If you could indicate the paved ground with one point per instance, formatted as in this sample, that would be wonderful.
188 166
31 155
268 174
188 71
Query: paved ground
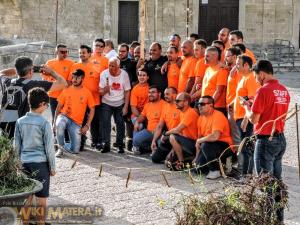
148 200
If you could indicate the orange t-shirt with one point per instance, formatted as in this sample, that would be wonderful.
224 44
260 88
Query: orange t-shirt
214 77
231 86
246 87
227 46
173 75
187 70
62 67
200 68
170 115
188 119
251 55
152 111
91 79
214 122
100 63
74 103
139 96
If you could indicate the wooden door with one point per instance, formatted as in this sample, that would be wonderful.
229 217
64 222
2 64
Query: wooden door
128 26
216 14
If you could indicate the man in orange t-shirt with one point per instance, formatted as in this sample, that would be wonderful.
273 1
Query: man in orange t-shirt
187 69
91 82
98 59
173 68
151 113
235 37
139 95
215 79
223 36
221 46
183 136
175 40
169 119
246 89
61 65
233 79
213 137
70 111
199 51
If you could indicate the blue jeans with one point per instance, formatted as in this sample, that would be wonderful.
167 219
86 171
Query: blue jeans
268 155
63 123
247 150
108 111
142 139
268 158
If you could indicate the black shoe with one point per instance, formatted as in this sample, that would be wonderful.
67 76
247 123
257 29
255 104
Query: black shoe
99 146
129 145
106 148
115 145
121 150
93 145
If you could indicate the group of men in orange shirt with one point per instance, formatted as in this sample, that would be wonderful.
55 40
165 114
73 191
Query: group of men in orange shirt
163 89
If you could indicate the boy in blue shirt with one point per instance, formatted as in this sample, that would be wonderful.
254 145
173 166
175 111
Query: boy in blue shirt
33 140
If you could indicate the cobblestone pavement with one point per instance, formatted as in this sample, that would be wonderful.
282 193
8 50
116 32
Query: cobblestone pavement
147 199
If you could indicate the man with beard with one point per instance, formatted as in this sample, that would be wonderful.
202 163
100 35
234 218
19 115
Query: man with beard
153 67
69 114
151 113
169 119
91 82
187 69
175 40
223 36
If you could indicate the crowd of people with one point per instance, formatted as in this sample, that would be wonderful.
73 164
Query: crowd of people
192 105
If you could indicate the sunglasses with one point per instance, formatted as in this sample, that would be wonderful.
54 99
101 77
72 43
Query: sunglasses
63 52
202 103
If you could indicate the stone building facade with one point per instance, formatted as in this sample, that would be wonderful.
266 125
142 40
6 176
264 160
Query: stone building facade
80 21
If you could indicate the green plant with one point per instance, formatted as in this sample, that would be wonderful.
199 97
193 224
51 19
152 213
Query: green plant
12 180
251 202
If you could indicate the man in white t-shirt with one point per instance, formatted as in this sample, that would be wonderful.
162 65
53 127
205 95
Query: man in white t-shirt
115 91
109 50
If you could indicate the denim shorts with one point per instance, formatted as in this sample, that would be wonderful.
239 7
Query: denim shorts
39 171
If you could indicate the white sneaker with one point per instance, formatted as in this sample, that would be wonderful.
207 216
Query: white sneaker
136 151
59 153
213 175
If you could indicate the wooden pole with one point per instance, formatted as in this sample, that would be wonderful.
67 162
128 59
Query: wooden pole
187 17
297 133
142 26
56 22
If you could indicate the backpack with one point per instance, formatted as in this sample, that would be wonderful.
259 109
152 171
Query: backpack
13 97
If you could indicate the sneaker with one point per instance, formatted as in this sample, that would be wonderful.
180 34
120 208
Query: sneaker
93 145
59 153
213 175
115 145
99 146
136 151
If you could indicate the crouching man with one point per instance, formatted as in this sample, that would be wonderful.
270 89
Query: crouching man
69 114
213 137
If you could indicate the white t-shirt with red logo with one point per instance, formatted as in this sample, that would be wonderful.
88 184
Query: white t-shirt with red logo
118 85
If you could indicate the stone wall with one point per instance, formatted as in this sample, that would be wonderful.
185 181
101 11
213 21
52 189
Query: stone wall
80 21
262 21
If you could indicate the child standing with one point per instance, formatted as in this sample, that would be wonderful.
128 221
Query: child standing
33 140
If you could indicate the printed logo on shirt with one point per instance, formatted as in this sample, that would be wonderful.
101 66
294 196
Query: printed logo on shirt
116 86
81 100
65 68
157 67
91 73
280 96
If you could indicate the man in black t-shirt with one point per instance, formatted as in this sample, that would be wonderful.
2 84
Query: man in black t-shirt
153 67
24 70
129 65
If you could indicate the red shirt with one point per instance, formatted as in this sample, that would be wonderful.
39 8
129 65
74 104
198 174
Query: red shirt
271 101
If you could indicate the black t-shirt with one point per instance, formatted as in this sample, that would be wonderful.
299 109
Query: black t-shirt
154 71
129 66
46 85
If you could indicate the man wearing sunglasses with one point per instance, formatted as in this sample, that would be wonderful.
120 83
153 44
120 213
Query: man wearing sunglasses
213 137
61 65
98 59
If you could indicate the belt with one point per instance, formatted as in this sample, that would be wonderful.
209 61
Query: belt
261 136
